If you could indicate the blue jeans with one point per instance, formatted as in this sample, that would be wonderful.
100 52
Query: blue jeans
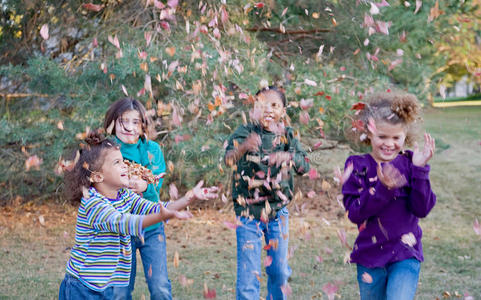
154 260
73 289
249 247
397 280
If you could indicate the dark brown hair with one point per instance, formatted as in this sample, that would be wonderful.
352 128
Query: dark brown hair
273 88
390 107
90 158
119 107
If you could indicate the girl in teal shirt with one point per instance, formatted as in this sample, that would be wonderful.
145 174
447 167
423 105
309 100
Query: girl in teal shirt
127 119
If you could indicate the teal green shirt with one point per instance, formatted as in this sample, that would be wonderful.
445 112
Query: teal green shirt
148 154
265 180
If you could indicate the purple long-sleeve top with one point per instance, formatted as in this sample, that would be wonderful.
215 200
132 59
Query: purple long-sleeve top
387 219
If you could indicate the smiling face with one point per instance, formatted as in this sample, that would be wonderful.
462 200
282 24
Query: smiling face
387 141
128 127
270 107
113 174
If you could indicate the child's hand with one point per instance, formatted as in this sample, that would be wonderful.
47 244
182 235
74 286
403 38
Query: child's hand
277 158
182 215
204 193
420 158
137 184
390 176
251 143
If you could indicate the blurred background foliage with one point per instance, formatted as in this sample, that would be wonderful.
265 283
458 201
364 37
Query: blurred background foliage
195 65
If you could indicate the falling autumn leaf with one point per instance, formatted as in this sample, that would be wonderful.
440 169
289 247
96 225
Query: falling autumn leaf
286 289
44 31
209 293
313 174
93 7
124 90
419 3
148 37
176 259
170 51
267 261
114 41
230 225
173 192
366 277
33 162
477 227
330 289
41 220
435 12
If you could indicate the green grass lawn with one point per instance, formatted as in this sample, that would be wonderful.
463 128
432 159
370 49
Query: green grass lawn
33 257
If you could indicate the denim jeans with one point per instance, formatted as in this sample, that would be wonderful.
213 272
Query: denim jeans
73 289
249 247
154 260
397 280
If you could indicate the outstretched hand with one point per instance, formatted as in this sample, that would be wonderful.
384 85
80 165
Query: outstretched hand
421 157
390 176
204 193
182 215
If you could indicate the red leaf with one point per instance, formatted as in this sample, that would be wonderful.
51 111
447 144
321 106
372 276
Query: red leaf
209 293
313 174
321 93
328 97
358 124
259 5
358 106
93 7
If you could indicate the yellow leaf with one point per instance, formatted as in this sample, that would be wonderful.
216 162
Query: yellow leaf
176 259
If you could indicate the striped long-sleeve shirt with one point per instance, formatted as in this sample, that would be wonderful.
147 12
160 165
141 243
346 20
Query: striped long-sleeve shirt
102 254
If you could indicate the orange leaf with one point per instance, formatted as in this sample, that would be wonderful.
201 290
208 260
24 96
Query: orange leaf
170 51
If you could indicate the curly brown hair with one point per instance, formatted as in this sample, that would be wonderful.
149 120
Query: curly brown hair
390 107
90 158
119 107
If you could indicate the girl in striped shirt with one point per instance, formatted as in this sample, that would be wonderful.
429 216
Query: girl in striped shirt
109 214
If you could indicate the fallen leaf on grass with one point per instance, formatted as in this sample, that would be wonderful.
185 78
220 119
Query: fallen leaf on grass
176 259
184 281
41 219
209 293
330 289
477 227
